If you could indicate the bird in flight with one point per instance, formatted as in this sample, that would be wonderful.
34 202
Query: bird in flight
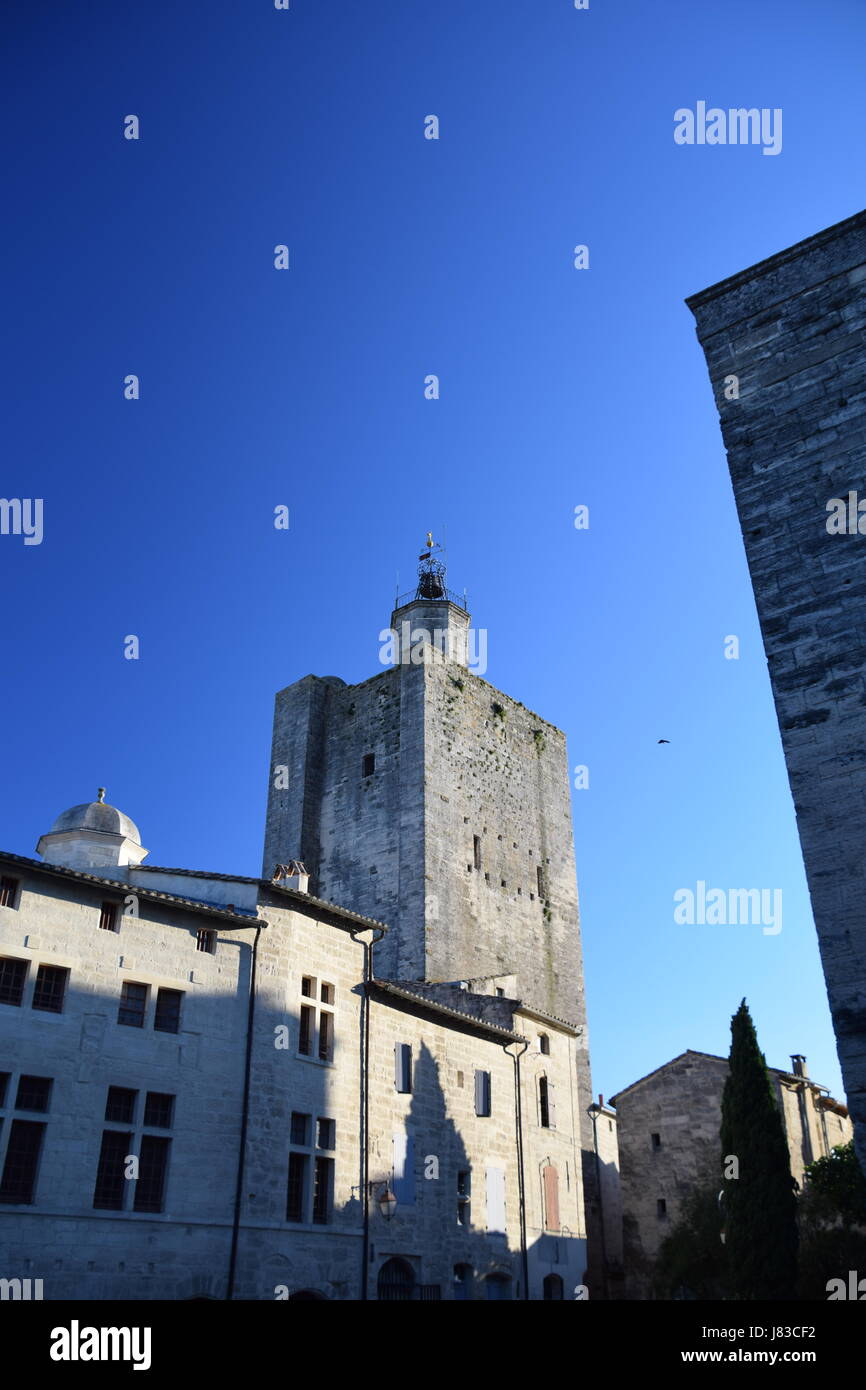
664 740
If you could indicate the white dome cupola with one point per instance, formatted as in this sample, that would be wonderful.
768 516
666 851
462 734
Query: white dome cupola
92 836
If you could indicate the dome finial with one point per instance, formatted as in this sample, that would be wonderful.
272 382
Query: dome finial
100 794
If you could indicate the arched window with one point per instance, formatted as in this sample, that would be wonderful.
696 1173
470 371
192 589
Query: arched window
463 1276
396 1282
553 1288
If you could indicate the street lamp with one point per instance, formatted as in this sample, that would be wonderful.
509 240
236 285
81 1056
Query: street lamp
387 1202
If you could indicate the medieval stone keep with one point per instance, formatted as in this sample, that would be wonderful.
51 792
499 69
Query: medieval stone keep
217 1086
786 353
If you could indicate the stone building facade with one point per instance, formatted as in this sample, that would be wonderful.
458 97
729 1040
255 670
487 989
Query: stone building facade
785 344
668 1130
217 1086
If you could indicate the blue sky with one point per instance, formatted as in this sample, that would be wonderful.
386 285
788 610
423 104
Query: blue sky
305 388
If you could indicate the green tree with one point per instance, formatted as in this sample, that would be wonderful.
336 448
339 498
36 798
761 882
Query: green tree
691 1260
832 1221
760 1203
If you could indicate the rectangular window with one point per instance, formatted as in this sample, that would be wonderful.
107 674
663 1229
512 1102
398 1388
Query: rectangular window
108 917
49 989
403 1068
323 1188
167 1016
206 940
110 1188
543 1106
158 1109
326 1037
4 1082
476 850
656 1141
369 764
300 1128
8 891
297 1187
120 1105
22 1161
327 994
133 1002
482 1093
12 976
308 987
463 1197
34 1093
326 1137
152 1168
305 1033
661 1207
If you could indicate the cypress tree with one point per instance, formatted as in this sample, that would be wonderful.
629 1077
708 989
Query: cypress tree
760 1203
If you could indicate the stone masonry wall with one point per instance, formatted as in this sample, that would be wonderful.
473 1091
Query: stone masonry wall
791 329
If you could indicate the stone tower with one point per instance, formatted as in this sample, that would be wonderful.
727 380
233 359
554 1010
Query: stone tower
785 344
428 799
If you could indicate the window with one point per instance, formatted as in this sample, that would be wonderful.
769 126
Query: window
661 1207
403 1068
8 891
12 976
656 1141
326 1037
326 1137
4 1082
476 850
158 1109
34 1093
543 1103
110 1188
482 1093
108 917
323 1187
152 1168
305 1034
206 940
327 994
369 766
500 992
297 1187
300 1128
464 1194
403 1167
133 1002
167 1016
308 987
544 1044
22 1162
49 989
550 1184
553 1289
120 1105
539 873
463 1282
460 1080
495 1184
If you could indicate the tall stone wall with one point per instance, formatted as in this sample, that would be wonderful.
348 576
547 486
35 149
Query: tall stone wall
791 331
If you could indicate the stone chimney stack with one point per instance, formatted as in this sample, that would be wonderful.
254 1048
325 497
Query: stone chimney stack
798 1064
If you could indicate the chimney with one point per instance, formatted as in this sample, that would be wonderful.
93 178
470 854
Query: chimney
798 1064
292 875
600 1101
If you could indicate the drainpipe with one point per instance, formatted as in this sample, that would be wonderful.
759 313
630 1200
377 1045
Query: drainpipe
365 1100
236 1222
521 1188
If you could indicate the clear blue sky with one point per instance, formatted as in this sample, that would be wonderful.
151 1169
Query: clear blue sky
305 388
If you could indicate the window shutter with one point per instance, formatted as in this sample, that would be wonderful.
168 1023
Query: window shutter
479 1093
551 1104
550 1179
404 1167
495 1198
